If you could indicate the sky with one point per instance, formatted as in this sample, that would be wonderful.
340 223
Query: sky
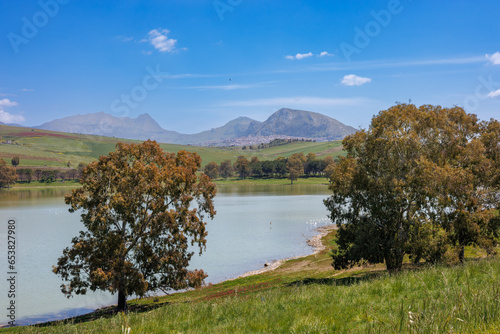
195 64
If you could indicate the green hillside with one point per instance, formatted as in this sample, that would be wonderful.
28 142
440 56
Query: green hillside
54 149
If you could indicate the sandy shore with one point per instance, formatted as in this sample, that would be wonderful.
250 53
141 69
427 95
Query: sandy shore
315 242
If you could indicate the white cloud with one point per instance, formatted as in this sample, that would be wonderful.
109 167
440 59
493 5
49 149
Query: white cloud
27 90
298 101
300 56
159 39
7 103
7 118
494 94
494 58
354 80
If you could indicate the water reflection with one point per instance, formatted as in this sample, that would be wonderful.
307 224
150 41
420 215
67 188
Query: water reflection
254 224
274 190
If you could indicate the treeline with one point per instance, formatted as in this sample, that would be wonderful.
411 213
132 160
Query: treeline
48 175
295 166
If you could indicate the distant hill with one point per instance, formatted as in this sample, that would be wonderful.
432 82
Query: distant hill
238 128
11 124
300 123
284 123
102 124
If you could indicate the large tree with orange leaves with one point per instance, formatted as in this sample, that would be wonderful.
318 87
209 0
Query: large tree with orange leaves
141 208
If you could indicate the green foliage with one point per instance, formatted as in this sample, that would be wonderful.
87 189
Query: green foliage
15 161
414 173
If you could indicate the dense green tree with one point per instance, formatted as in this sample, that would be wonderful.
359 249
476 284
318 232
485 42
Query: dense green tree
141 208
315 167
256 167
414 172
48 176
280 167
212 170
15 161
268 167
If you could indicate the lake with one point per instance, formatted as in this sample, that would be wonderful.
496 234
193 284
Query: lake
253 225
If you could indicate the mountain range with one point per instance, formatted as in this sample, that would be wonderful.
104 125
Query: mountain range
284 123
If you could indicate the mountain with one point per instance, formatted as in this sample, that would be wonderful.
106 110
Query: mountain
237 128
306 124
12 124
284 123
142 127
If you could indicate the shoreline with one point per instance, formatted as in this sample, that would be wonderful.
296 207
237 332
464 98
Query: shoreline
314 241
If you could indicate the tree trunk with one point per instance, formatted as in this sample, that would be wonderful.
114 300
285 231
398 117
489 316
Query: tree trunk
461 254
394 260
122 302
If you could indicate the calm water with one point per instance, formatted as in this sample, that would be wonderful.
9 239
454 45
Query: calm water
253 225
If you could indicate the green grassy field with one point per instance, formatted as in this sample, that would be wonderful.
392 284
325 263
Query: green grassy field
306 295
54 149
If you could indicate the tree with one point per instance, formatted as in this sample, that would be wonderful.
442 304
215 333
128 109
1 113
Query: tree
38 174
212 170
140 207
80 168
15 161
329 170
256 167
413 173
328 160
462 162
242 167
280 166
8 175
29 173
268 167
295 165
48 176
226 169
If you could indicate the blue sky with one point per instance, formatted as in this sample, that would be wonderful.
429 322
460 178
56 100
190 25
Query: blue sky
195 64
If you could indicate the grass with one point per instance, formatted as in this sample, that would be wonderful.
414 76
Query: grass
37 184
306 295
39 148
